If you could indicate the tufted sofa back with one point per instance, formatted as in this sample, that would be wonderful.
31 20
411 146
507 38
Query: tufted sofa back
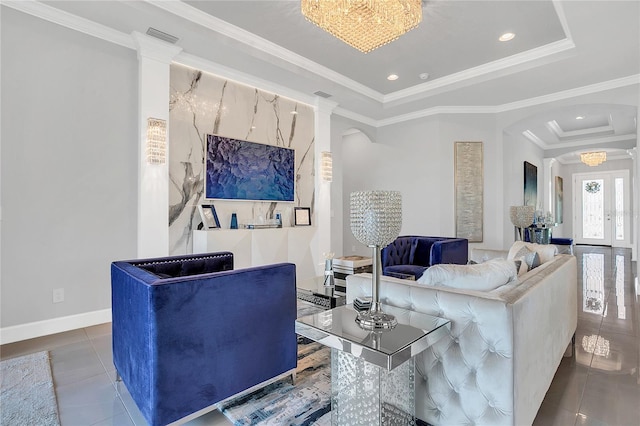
398 252
503 349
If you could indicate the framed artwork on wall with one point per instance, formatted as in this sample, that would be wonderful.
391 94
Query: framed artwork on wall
559 201
209 216
469 186
302 216
530 184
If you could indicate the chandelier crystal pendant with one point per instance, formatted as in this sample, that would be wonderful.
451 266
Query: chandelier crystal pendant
364 24
593 158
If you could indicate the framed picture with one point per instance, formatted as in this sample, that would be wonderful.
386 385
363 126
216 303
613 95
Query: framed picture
209 216
530 184
302 216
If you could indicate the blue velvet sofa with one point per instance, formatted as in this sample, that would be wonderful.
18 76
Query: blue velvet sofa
410 255
189 331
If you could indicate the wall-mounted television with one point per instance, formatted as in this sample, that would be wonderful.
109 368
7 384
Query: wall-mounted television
243 170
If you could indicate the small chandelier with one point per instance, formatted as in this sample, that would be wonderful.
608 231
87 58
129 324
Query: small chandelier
364 24
593 158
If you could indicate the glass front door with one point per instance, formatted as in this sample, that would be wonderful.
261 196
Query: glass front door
602 208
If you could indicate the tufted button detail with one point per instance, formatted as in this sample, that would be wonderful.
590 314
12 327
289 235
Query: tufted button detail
456 340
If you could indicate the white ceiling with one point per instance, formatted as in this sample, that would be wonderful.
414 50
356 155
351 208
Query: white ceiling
575 46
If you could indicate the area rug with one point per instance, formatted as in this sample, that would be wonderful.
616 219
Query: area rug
306 403
27 396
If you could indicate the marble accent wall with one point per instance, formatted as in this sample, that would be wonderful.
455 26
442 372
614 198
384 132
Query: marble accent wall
204 104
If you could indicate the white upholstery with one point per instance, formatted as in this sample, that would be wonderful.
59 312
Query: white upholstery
482 276
503 348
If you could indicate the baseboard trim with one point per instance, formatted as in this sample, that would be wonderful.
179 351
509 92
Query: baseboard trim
31 330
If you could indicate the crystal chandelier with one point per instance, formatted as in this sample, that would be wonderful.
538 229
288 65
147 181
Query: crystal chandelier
364 24
593 158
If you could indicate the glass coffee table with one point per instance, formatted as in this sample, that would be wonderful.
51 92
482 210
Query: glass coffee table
372 372
313 290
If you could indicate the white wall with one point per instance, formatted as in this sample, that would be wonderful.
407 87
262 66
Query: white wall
68 178
517 150
417 158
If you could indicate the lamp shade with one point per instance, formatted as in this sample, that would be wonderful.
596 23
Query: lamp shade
376 217
521 216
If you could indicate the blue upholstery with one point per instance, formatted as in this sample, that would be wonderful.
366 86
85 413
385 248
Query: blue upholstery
413 254
562 241
188 331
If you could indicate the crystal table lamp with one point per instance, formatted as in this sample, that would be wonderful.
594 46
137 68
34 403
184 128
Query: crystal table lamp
521 217
376 218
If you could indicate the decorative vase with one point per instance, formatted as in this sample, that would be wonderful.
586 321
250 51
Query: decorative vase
234 221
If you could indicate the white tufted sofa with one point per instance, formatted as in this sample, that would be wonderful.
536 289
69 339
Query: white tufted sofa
504 347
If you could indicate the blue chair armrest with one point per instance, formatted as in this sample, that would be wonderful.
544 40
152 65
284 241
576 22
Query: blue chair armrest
453 250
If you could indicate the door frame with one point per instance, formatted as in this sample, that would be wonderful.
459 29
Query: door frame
610 176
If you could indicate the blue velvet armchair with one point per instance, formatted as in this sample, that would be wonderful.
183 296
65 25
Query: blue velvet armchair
411 255
189 331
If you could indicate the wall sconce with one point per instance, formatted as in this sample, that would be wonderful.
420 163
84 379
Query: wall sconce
156 141
326 166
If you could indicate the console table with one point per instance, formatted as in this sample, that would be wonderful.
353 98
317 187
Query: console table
257 247
372 372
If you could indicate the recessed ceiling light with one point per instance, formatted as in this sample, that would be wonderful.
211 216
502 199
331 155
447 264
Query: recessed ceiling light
506 37
579 117
424 76
392 77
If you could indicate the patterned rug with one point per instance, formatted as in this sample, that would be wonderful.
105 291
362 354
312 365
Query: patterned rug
308 402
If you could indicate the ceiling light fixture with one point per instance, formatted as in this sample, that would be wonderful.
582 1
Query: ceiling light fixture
392 77
506 37
593 158
579 117
424 76
364 24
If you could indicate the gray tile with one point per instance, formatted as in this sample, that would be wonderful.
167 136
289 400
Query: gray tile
98 330
618 353
121 419
554 415
103 348
88 401
75 362
568 385
612 398
44 343
129 404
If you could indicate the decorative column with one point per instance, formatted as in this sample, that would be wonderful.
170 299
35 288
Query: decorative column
323 210
154 59
633 153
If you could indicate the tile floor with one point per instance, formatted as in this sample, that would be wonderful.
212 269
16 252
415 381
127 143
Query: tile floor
599 386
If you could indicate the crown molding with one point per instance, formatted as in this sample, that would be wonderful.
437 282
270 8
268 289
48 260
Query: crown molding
74 22
152 48
571 93
356 117
227 73
582 142
454 109
496 68
203 19
94 29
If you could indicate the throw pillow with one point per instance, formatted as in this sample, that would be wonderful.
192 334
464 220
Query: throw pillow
546 252
521 266
482 276
531 258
